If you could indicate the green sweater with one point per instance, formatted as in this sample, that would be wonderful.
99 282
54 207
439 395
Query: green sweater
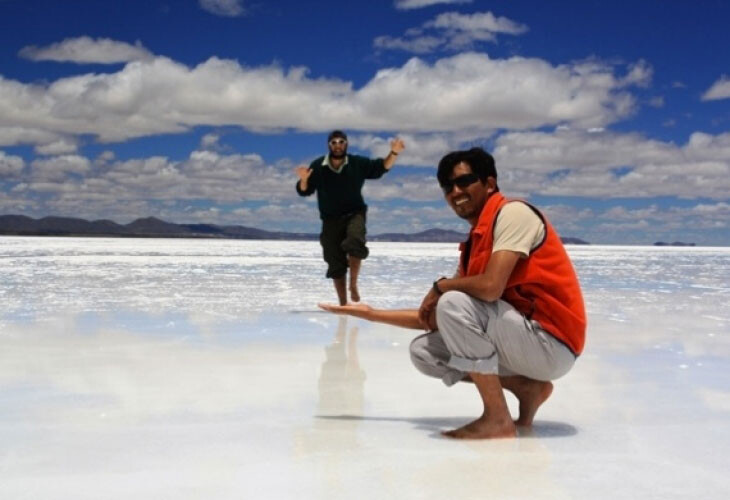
339 193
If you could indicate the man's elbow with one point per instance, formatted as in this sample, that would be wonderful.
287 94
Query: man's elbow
492 293
491 297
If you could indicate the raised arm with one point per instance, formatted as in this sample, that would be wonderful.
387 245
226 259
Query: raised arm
396 147
404 318
304 186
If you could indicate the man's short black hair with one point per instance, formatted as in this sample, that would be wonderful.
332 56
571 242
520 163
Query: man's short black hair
336 133
481 163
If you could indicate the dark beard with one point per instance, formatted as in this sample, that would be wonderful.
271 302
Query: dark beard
338 157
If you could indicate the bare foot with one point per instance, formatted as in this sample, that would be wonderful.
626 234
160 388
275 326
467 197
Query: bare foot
532 394
483 428
354 293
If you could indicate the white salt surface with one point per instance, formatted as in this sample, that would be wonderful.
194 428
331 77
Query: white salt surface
154 369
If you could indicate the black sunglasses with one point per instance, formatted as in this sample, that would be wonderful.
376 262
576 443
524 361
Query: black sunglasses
462 181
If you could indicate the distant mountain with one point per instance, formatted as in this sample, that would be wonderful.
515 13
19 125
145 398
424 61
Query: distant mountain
145 227
432 235
157 227
151 227
573 241
673 244
20 224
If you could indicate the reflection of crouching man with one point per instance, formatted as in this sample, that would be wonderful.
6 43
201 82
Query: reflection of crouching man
512 317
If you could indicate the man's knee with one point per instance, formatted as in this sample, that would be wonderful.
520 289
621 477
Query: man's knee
451 303
355 247
420 356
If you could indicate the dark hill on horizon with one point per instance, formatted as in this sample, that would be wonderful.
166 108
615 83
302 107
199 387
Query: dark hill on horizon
151 227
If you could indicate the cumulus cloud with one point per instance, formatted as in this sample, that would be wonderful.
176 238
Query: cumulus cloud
14 135
210 141
409 187
64 145
154 185
210 186
612 165
451 31
422 150
719 90
477 22
10 166
56 168
565 162
417 4
225 8
85 50
703 216
162 96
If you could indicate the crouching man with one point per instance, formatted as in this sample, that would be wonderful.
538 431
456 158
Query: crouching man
511 318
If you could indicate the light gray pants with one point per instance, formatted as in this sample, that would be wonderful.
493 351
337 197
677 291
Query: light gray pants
490 338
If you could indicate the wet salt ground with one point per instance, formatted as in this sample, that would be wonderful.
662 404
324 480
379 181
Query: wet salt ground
199 369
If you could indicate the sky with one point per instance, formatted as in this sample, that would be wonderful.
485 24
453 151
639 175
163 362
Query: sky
613 118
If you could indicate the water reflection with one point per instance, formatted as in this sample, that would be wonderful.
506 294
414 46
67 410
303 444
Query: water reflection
341 380
341 393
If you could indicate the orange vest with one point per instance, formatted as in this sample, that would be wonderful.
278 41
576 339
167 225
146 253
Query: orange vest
542 287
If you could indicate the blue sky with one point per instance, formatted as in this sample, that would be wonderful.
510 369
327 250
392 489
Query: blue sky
612 117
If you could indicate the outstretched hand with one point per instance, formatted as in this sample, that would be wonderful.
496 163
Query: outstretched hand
303 172
397 145
358 310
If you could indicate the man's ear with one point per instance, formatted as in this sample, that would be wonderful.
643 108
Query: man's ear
491 184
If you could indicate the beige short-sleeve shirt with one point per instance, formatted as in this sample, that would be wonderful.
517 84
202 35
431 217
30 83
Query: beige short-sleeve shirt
518 229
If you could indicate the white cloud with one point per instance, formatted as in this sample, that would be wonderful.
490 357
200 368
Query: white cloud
417 4
162 96
415 45
225 8
210 141
451 31
115 188
105 157
65 145
410 187
86 50
422 150
56 168
612 165
477 22
10 165
14 135
566 162
213 187
563 163
656 102
719 90
701 216
639 74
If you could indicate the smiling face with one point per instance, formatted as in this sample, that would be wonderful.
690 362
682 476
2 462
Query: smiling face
338 147
467 200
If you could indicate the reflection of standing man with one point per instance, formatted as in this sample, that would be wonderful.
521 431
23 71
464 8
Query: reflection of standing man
338 179
342 381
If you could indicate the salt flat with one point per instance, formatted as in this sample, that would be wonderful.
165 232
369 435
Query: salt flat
201 369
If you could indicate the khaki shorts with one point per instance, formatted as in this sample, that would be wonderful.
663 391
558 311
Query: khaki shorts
340 237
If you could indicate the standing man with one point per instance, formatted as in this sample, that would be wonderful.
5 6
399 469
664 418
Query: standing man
512 317
338 179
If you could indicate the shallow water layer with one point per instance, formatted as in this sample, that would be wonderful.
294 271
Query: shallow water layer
201 369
